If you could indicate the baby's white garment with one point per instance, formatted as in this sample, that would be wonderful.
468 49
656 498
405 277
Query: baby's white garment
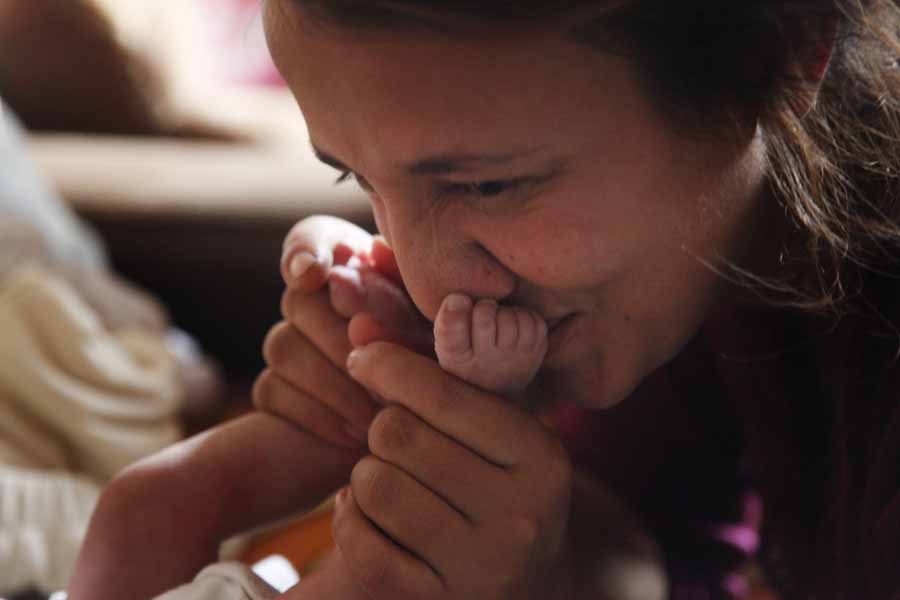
73 395
221 581
43 518
77 404
224 581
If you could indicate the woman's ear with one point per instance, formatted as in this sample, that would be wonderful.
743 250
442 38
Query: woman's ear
811 64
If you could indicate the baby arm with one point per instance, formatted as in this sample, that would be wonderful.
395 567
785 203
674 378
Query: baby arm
162 520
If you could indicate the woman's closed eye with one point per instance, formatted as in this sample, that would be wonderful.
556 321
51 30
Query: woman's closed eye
346 176
448 190
479 189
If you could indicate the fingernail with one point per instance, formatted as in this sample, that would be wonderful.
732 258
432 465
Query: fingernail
354 262
458 302
353 359
342 495
301 263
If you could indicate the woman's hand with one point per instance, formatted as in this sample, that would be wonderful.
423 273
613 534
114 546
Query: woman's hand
306 381
464 495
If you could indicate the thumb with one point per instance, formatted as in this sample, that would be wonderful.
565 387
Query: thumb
364 329
317 243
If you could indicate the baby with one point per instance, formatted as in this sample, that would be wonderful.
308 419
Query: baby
268 468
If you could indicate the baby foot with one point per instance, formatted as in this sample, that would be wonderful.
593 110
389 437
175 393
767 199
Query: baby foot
498 348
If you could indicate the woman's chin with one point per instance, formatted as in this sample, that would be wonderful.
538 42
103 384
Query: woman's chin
587 385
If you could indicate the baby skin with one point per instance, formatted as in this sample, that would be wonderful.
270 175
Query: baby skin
497 348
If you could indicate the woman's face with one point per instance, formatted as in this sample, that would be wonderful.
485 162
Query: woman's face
527 167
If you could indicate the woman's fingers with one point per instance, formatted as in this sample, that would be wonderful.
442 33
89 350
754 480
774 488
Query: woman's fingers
299 362
446 469
408 513
390 304
363 289
314 315
275 395
304 271
364 329
486 424
317 243
382 568
453 461
347 291
378 309
321 233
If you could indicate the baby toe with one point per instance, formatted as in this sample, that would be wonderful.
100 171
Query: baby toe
452 328
527 328
484 325
507 328
532 330
301 269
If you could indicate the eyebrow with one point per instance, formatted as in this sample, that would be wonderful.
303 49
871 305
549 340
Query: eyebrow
442 164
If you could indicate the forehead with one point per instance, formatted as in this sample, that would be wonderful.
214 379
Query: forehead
406 87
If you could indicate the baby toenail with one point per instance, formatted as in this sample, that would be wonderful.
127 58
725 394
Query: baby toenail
458 303
301 263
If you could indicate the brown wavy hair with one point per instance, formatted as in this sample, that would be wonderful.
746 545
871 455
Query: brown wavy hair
833 169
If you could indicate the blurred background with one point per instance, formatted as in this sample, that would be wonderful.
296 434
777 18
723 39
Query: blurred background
165 126
151 163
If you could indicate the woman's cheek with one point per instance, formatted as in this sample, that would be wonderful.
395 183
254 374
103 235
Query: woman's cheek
537 261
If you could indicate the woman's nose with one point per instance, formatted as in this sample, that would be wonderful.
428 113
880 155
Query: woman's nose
465 268
437 257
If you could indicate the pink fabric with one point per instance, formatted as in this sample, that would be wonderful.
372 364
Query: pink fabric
235 33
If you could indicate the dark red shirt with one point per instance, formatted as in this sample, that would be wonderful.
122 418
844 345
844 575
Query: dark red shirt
784 449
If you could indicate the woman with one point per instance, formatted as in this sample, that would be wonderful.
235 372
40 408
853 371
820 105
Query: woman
700 202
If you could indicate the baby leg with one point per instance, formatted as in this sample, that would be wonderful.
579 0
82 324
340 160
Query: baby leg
498 348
